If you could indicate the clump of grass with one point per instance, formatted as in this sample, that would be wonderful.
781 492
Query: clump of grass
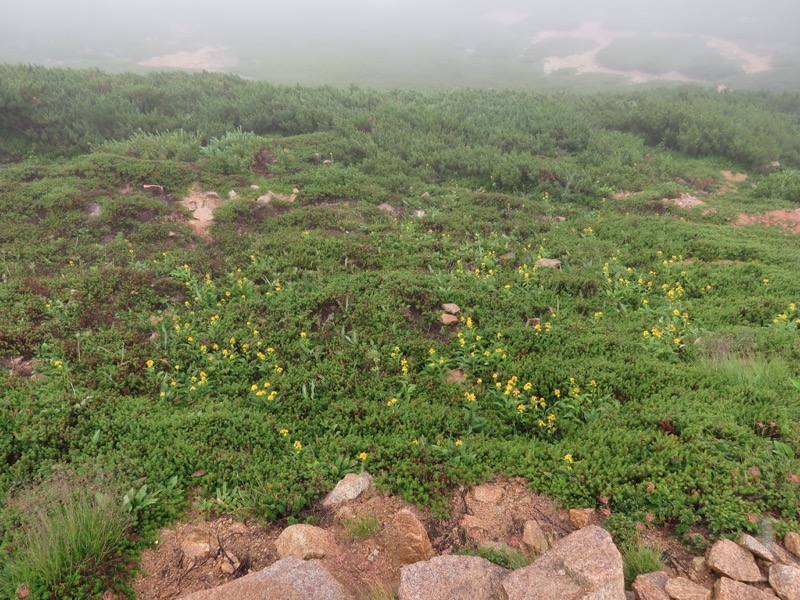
361 527
377 590
504 556
67 545
639 558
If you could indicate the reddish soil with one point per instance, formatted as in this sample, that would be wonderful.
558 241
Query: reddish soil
788 220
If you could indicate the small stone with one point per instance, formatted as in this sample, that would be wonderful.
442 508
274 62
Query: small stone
449 319
349 488
196 545
419 213
699 571
488 494
451 308
548 263
228 563
327 162
506 256
750 543
233 195
792 542
728 589
582 517
650 586
304 542
785 580
156 190
731 560
255 187
681 588
411 542
534 538
212 195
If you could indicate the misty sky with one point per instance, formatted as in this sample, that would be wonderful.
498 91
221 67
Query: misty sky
327 40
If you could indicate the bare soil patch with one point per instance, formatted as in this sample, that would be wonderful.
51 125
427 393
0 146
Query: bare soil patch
201 205
788 220
734 177
684 201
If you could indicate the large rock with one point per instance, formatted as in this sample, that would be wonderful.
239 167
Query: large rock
785 580
731 560
304 542
534 538
651 586
453 578
681 588
792 542
751 544
287 579
410 539
585 565
728 589
349 488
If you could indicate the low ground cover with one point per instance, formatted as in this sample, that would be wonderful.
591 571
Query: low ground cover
246 371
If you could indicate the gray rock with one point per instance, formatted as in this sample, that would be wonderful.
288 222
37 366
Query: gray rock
731 560
785 580
349 488
304 542
287 579
585 565
452 577
758 549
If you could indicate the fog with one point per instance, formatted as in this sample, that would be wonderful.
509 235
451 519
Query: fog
395 43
